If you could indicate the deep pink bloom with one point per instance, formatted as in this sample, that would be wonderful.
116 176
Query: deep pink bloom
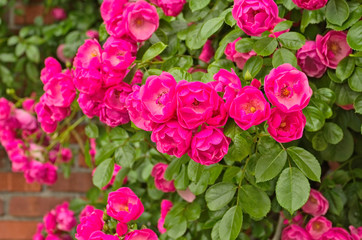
91 103
28 105
317 226
332 48
59 91
65 218
25 119
294 232
137 79
255 83
113 117
41 173
237 57
59 13
298 219
87 210
144 234
88 81
286 127
52 67
158 97
111 11
5 108
309 61
255 16
89 55
228 83
356 233
140 20
170 7
39 229
207 52
316 205
161 183
66 155
171 138
249 108
287 88
121 228
137 112
209 146
50 222
336 233
99 235
92 34
197 102
310 4
89 224
115 97
123 205
166 206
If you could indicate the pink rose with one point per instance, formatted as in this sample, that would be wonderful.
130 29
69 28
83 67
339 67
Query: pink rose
249 108
66 155
59 91
298 219
137 112
255 16
336 233
88 81
356 233
171 138
115 97
121 228
161 183
123 205
137 79
87 210
144 234
207 52
140 20
61 56
91 103
92 34
28 105
187 195
228 83
166 206
317 226
170 7
50 222
196 103
332 48
5 108
65 218
99 235
286 127
89 224
52 67
294 232
39 229
26 120
255 83
309 61
113 117
111 11
316 205
89 55
42 173
310 4
237 57
209 146
287 88
59 13
158 97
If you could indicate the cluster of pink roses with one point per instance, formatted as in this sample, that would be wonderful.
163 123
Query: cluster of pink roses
57 224
170 7
122 205
318 227
19 130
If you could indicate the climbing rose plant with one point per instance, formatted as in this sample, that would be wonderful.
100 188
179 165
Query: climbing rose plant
205 120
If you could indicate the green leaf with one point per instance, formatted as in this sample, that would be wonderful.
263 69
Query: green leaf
176 226
354 36
319 143
155 50
354 16
315 119
240 147
215 231
174 167
193 211
13 40
337 11
230 224
244 45
200 186
292 189
254 201
229 19
210 27
253 66
182 180
342 151
180 74
282 56
118 181
32 71
344 95
306 162
219 195
332 133
20 49
198 4
230 37
195 170
103 35
292 40
105 152
354 81
311 17
358 104
269 165
7 57
91 130
125 156
194 39
119 133
326 95
215 66
103 173
336 199
345 68
282 26
265 46
32 53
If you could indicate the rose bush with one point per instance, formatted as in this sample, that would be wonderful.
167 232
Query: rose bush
204 120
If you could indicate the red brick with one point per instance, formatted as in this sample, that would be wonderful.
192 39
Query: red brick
15 182
77 182
33 206
17 230
30 12
1 207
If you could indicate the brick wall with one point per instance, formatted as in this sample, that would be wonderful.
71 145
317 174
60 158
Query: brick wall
23 205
